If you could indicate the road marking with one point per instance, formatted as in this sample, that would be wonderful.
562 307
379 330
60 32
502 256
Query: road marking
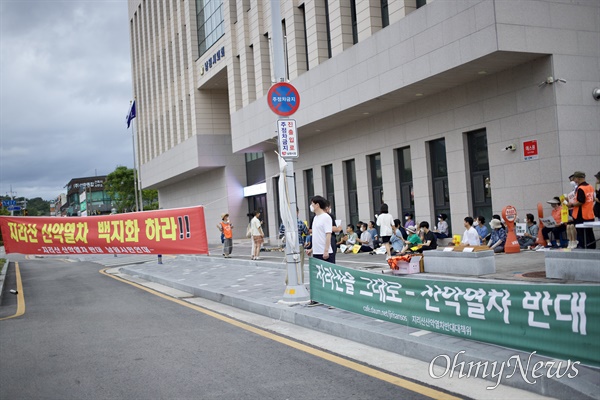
20 295
394 380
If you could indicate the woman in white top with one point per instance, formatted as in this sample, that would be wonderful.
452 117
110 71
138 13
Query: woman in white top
257 235
385 221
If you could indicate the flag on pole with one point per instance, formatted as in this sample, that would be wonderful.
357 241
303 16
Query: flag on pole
131 114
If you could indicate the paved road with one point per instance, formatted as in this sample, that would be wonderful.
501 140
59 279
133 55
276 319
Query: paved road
87 335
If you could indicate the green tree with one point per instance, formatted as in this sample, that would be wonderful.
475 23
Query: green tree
120 187
38 207
150 197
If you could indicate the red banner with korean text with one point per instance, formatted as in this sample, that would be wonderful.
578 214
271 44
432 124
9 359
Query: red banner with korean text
174 231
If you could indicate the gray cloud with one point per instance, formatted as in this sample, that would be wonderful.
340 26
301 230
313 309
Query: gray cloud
65 86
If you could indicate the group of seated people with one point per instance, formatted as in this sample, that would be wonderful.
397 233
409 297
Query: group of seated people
476 233
410 238
403 240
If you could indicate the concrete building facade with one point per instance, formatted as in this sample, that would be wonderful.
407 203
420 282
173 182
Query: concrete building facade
449 106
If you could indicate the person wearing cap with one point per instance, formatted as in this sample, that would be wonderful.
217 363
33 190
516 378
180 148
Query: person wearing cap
412 240
557 230
498 237
597 199
226 235
470 237
442 230
583 210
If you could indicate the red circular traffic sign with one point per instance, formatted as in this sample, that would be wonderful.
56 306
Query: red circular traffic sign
283 99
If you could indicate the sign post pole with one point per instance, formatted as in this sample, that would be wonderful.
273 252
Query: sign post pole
289 100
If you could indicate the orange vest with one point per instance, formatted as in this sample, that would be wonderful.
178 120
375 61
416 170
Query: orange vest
226 230
587 209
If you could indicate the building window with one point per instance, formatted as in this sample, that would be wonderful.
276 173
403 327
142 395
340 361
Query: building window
421 3
376 182
385 13
303 11
255 168
327 28
309 183
285 50
209 15
479 168
329 187
354 22
439 177
352 192
407 194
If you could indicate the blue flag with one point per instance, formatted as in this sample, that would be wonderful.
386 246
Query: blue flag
131 114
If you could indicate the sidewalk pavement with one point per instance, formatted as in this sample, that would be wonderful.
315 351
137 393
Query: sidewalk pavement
258 286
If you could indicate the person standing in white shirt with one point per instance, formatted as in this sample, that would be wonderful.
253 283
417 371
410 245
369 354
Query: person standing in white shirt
321 230
257 235
385 221
470 237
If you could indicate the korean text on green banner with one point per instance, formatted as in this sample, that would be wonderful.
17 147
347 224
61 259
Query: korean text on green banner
553 319
170 231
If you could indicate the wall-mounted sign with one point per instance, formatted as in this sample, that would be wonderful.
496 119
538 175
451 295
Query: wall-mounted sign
212 60
530 150
255 190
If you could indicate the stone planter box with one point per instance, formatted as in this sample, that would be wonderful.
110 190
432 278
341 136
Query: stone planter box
460 263
576 265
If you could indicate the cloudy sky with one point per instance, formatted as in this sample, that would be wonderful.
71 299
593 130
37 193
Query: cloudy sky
65 87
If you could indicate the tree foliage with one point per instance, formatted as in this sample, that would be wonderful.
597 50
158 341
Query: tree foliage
38 207
120 186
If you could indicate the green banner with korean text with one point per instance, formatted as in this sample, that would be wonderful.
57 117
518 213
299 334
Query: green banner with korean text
556 320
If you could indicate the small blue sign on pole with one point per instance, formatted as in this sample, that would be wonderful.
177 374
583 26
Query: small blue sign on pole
14 208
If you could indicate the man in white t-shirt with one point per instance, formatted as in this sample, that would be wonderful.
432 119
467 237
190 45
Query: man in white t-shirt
321 229
470 237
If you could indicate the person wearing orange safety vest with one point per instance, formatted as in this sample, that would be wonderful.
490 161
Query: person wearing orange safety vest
227 235
583 210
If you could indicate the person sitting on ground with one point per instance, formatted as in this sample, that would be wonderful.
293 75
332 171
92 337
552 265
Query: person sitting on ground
531 231
365 240
498 237
351 238
470 237
373 231
482 230
557 230
496 216
408 220
442 231
429 238
308 242
398 238
413 240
